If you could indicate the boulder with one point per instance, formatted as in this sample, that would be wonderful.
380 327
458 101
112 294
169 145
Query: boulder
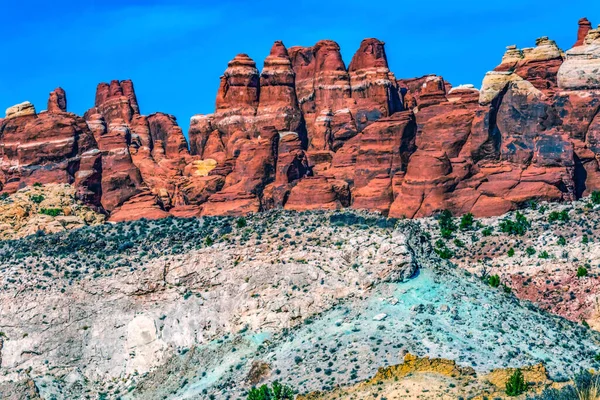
20 110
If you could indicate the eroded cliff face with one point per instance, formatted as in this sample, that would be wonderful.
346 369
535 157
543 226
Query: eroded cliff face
307 132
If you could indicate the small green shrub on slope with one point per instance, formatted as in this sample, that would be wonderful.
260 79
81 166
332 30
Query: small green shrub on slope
518 226
516 384
276 392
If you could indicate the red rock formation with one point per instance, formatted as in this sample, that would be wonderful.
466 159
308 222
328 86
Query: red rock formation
584 27
277 104
373 85
50 147
318 193
57 101
307 133
323 87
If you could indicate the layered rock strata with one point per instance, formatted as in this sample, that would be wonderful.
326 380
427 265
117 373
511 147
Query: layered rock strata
308 132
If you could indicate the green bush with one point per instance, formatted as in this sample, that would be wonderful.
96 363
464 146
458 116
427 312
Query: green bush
446 223
596 197
487 231
37 198
241 222
53 212
519 226
562 241
544 255
516 385
511 252
581 272
585 239
441 250
466 222
562 216
444 253
37 184
530 251
494 281
276 392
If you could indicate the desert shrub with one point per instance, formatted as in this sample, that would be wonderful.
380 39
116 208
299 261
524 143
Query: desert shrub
511 252
466 222
494 281
37 198
444 253
53 212
277 391
562 216
530 251
581 272
518 226
544 255
446 223
585 239
516 385
241 222
532 204
562 241
487 231
596 197
37 184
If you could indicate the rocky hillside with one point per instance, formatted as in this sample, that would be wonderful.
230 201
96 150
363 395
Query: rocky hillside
206 308
309 132
548 254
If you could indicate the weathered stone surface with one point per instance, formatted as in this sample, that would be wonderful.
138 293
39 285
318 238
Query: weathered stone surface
580 69
20 110
318 193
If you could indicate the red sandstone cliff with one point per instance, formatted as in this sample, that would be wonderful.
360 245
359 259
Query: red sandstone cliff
307 132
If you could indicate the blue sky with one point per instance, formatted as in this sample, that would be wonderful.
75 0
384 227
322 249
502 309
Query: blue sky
176 50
